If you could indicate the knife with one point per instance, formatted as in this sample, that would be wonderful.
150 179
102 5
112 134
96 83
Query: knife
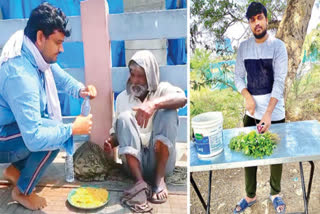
259 127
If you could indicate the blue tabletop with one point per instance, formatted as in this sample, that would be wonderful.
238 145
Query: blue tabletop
299 141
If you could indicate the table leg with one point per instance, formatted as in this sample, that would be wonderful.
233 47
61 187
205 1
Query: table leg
310 179
306 196
209 193
195 187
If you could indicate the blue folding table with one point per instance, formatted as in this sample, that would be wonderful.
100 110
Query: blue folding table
299 142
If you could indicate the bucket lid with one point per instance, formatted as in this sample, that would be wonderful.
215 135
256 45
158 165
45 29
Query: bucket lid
207 118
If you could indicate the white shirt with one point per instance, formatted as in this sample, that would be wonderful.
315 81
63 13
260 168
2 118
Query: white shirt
126 102
272 49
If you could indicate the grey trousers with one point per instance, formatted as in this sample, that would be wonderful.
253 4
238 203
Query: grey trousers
164 129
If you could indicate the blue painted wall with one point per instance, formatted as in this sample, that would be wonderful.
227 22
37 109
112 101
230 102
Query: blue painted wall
73 51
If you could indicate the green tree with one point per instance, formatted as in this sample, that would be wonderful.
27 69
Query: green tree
201 71
312 43
199 63
292 31
212 18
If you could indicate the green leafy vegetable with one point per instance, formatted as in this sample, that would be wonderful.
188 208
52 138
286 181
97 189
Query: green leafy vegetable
254 144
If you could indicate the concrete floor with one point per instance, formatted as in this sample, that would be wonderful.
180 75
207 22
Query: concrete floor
54 188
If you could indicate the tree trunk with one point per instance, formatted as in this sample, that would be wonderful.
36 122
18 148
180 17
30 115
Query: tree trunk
292 31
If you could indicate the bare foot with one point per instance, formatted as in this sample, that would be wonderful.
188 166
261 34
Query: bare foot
11 174
160 193
32 201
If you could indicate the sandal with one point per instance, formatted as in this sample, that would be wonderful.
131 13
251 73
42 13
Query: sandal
137 187
243 204
156 191
136 198
277 201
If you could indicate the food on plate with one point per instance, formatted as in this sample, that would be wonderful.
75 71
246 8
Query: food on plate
89 197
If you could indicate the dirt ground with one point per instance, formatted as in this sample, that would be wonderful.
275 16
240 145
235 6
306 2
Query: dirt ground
228 188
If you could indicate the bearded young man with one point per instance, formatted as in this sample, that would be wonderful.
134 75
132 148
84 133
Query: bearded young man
31 130
145 125
263 61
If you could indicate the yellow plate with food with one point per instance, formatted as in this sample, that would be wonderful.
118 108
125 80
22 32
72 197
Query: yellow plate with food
88 197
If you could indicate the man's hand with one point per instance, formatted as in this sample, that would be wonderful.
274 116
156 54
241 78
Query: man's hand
266 119
82 125
108 146
90 91
144 112
250 105
110 143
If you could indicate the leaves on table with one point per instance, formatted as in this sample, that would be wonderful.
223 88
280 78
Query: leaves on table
254 144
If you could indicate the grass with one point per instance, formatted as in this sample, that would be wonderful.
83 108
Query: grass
303 102
229 102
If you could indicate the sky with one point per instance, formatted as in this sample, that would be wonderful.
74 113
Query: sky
315 17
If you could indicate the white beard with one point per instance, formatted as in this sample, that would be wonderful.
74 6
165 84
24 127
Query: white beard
138 90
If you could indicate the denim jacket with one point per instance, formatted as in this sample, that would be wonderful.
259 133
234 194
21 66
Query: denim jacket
23 101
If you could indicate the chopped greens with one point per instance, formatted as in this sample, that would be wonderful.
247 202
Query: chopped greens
254 144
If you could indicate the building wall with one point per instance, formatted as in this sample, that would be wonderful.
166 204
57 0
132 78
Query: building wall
143 5
158 46
0 19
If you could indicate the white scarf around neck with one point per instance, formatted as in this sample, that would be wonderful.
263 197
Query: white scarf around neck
13 47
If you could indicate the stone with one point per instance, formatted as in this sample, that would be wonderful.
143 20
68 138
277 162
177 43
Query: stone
91 163
221 205
299 192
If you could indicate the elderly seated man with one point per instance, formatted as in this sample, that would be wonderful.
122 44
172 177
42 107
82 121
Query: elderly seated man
145 125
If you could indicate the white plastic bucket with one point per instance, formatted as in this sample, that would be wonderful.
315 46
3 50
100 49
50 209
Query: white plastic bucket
207 128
